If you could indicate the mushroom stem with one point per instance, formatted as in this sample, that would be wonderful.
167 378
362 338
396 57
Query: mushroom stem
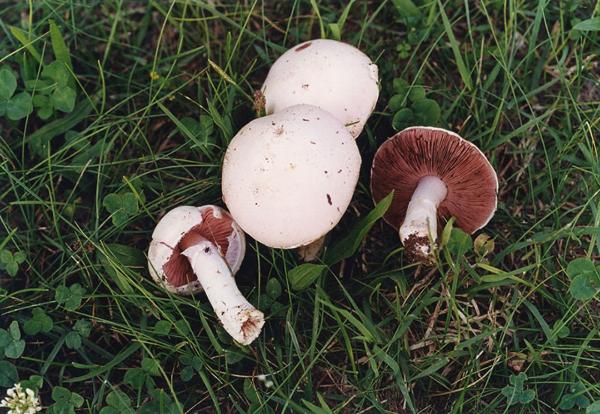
240 319
421 217
311 251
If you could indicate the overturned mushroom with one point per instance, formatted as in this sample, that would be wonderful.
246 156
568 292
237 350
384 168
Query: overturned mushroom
288 178
201 248
332 75
436 175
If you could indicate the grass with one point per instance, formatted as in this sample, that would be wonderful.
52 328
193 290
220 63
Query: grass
374 333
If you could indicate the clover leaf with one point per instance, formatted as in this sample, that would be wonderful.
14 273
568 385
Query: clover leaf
191 364
70 296
81 329
8 84
118 403
11 344
63 99
65 401
585 279
39 322
594 408
19 106
515 393
10 262
574 398
121 206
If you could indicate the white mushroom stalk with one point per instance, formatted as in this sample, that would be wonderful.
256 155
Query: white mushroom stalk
240 319
420 223
201 248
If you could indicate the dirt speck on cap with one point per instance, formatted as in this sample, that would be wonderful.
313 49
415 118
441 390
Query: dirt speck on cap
329 199
302 47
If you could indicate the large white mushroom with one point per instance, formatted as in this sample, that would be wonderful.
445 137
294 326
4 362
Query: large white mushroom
201 248
332 75
289 177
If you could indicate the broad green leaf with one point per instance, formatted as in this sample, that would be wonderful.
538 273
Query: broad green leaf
59 47
580 266
24 39
57 72
273 288
396 102
8 374
406 8
403 119
346 247
416 93
15 349
63 99
304 275
594 408
19 106
427 111
73 340
400 86
582 288
45 112
8 83
589 25
459 243
83 327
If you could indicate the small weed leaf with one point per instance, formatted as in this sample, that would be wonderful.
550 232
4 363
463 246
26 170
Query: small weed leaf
589 25
8 84
135 378
515 393
57 72
459 243
11 344
427 111
63 99
273 288
8 374
73 340
594 408
574 398
121 206
150 366
19 106
39 322
585 279
118 403
417 93
303 276
400 86
70 297
10 263
65 401
191 365
403 119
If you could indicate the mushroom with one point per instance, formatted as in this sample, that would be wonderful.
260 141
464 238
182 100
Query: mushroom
289 177
201 248
332 75
435 174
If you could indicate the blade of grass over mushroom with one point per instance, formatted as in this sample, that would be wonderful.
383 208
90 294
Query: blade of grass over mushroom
346 247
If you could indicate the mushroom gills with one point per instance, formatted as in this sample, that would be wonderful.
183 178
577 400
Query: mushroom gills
240 319
419 228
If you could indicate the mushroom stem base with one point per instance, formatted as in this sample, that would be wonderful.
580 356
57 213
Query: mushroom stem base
310 252
239 318
419 229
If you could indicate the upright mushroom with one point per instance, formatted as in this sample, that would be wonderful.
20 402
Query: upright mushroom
435 174
289 177
332 75
201 248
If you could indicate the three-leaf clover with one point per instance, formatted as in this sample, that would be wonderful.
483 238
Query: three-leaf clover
514 393
137 377
10 262
65 401
11 344
81 329
191 364
574 398
411 106
121 206
70 296
117 403
585 278
39 322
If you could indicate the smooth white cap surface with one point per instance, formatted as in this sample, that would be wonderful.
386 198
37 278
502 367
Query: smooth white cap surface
288 178
332 75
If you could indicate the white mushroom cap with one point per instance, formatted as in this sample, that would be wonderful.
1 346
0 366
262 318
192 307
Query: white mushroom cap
288 178
332 75
171 229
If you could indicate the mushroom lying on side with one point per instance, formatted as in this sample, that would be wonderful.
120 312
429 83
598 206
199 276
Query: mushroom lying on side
201 248
288 178
332 75
436 175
